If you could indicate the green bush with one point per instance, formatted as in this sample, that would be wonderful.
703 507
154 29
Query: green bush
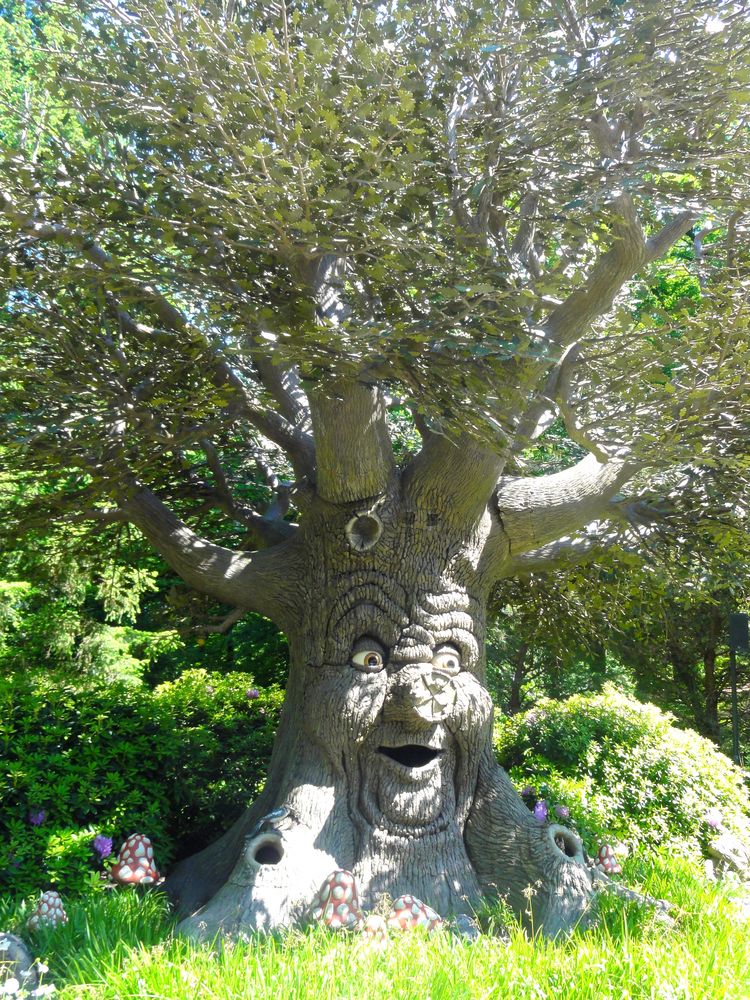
624 770
76 760
225 727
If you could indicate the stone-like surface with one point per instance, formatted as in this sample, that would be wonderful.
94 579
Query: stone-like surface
49 912
466 927
730 853
135 862
16 962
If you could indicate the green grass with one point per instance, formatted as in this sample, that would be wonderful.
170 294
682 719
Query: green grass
122 944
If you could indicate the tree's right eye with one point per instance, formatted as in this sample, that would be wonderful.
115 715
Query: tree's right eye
368 659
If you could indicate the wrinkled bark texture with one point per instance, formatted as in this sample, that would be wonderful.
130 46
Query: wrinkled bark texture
383 763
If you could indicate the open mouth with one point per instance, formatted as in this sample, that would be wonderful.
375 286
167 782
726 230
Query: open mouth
410 755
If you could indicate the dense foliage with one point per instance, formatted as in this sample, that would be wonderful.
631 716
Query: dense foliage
212 209
624 772
78 760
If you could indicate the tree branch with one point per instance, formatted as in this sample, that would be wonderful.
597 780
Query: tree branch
259 581
561 554
284 385
353 446
629 250
266 530
454 477
535 511
222 627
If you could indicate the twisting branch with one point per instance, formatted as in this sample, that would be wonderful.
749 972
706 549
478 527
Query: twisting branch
629 250
222 627
284 386
556 394
265 529
258 581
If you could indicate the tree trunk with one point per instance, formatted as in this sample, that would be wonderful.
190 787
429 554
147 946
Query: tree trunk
519 676
383 764
711 689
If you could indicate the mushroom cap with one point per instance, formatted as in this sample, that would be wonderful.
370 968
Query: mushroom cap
336 904
49 911
135 862
409 912
606 860
375 933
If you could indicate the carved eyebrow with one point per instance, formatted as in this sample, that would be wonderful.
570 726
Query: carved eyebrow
464 641
363 611
449 621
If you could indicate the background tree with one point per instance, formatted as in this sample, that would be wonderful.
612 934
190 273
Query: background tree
285 220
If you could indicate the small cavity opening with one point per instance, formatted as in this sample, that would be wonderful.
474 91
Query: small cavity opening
410 755
567 843
363 531
268 852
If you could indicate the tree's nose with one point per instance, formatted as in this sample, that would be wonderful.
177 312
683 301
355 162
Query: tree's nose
419 693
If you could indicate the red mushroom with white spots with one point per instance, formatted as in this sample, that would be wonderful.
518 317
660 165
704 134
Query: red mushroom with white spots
49 912
606 861
409 912
375 933
337 903
135 862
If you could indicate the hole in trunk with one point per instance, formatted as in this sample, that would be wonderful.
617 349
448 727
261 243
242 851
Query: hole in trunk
410 755
268 852
363 531
567 843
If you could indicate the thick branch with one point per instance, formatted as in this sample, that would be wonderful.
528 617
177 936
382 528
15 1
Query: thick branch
353 446
568 321
284 385
561 554
455 477
536 511
259 581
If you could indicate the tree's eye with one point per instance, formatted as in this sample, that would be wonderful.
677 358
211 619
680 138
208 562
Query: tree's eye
368 658
447 658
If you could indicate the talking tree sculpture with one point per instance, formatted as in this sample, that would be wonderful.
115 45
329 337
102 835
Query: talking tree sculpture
246 243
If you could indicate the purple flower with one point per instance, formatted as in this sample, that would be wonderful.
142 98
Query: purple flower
37 816
562 811
713 818
252 693
540 810
102 846
528 792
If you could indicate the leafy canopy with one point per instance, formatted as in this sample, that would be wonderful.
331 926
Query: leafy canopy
423 195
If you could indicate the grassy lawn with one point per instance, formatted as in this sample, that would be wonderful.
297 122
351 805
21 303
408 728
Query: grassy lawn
122 944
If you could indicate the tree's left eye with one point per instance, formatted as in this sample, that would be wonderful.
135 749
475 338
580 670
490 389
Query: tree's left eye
447 658
368 659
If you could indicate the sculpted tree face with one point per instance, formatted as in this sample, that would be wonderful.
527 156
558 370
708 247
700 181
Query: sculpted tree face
403 713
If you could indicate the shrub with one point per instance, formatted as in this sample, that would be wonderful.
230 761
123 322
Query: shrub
178 764
624 771
225 727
